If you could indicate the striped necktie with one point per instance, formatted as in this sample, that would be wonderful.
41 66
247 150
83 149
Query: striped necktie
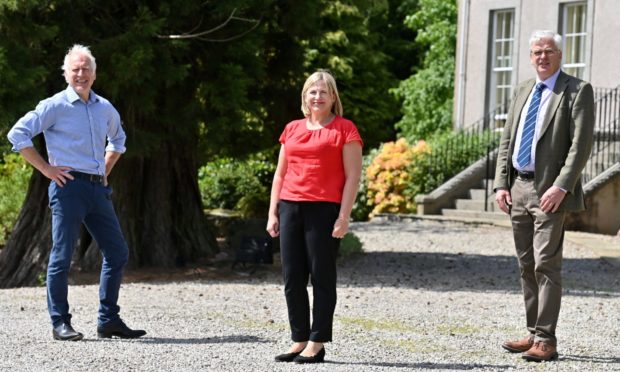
529 127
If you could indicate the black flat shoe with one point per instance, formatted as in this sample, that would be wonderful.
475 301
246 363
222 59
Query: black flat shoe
288 357
119 330
65 332
316 358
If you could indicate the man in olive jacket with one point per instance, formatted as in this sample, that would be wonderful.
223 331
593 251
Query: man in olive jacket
545 145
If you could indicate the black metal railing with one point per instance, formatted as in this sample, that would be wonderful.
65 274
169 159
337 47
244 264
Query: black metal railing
491 162
461 148
606 146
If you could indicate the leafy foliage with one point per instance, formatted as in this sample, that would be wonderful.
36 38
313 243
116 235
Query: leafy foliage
389 176
14 176
350 245
427 94
354 55
201 101
240 185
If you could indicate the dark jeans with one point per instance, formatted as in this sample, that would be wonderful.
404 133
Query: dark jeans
81 201
307 248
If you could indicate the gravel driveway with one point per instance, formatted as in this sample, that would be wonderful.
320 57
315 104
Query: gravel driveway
426 295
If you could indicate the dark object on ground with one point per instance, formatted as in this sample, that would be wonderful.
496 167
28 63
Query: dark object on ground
254 250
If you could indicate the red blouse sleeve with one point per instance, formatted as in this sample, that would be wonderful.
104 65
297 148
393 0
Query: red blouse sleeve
352 134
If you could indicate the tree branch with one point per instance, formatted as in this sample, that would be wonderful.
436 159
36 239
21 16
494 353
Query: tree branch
201 35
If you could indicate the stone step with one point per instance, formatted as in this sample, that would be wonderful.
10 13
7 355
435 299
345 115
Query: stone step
468 214
475 205
482 184
478 194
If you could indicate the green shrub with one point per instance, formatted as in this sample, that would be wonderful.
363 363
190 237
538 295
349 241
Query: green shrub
240 185
14 177
350 245
362 207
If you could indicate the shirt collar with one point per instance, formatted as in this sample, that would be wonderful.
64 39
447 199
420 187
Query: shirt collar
72 96
550 82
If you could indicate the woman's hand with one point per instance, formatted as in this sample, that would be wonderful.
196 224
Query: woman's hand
341 227
273 226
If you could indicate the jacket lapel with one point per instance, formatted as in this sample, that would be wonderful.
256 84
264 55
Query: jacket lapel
554 101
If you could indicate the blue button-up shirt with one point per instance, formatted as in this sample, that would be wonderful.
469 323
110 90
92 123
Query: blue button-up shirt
75 131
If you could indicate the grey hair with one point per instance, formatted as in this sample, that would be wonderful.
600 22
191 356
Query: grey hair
546 35
79 49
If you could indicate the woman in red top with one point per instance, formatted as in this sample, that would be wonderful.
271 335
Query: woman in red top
312 194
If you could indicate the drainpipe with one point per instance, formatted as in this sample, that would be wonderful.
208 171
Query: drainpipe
460 95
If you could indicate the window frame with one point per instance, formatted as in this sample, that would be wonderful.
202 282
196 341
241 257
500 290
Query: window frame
577 66
505 36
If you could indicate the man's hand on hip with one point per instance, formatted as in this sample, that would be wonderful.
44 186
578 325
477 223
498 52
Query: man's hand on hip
60 175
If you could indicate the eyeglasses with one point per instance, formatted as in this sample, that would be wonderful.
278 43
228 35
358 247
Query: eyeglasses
539 53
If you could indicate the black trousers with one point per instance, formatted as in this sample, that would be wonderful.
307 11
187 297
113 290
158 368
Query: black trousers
308 249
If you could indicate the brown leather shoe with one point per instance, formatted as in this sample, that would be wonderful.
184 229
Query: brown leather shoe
519 346
541 351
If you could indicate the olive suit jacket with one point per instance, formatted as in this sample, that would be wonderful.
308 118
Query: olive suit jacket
564 144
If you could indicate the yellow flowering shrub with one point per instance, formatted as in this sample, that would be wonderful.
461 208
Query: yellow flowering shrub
388 177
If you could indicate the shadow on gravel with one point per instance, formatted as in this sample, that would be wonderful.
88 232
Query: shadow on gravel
233 339
436 272
447 268
467 272
591 359
416 366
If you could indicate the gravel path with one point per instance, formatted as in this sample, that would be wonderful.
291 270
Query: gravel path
426 295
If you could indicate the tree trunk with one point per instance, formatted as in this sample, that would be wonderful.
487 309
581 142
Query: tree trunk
23 261
157 201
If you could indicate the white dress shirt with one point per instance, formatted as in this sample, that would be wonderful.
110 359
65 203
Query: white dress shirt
544 104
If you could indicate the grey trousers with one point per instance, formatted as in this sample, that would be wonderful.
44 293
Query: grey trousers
539 241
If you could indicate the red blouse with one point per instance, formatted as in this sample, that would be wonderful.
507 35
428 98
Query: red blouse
315 170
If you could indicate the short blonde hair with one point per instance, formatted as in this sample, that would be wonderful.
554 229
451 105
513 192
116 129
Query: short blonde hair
331 88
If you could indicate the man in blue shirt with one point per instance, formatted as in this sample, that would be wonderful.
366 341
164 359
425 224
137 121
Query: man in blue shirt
84 139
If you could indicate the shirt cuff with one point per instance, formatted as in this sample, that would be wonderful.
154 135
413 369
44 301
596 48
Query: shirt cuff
115 148
22 145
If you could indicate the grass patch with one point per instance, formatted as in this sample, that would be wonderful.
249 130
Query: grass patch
367 324
453 329
415 347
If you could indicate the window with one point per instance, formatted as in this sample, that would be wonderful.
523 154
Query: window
501 65
574 31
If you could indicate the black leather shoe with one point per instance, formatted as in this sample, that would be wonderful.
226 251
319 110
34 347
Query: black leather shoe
65 332
316 358
119 330
288 357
